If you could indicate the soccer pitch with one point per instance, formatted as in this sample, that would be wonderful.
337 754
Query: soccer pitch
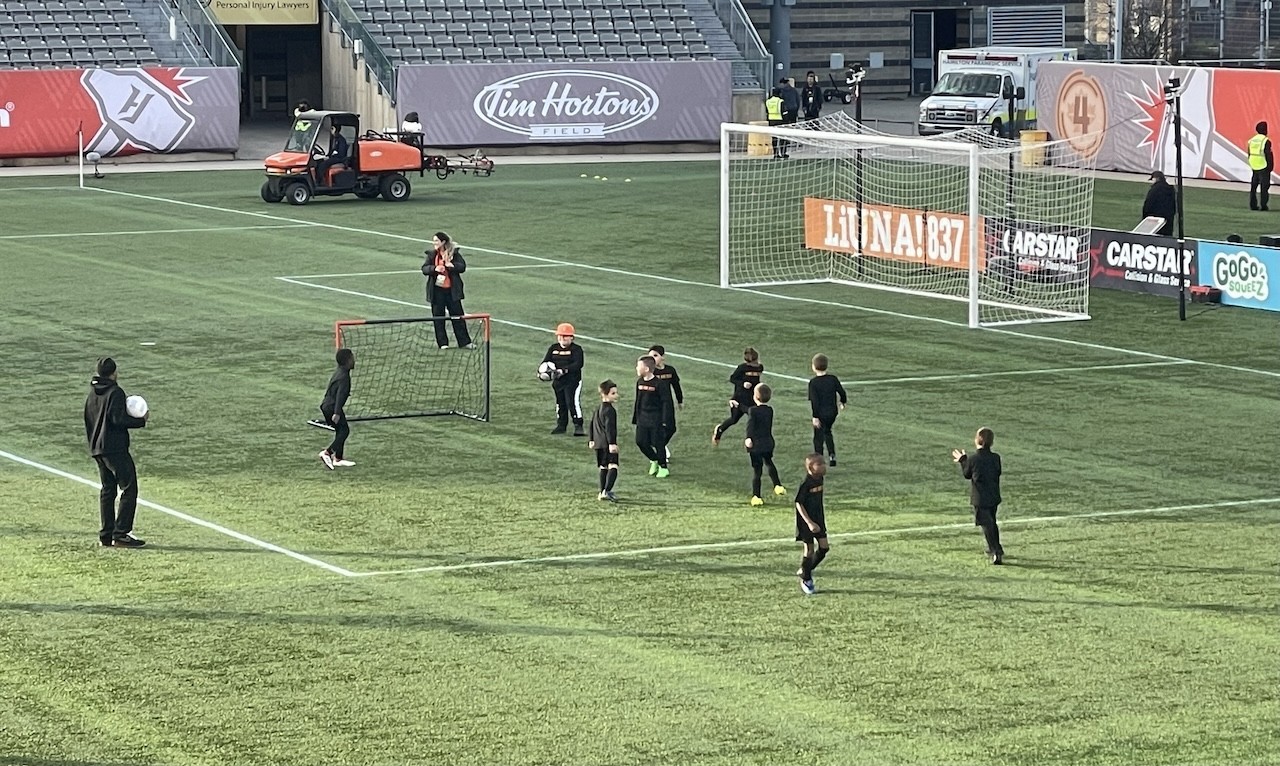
460 597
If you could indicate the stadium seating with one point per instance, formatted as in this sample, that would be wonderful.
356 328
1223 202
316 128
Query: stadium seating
539 31
43 34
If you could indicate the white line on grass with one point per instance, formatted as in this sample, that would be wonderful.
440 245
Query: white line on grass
693 283
726 365
416 271
148 231
782 540
186 517
36 188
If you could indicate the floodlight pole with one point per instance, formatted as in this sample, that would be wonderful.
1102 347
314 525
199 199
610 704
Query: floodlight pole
1174 89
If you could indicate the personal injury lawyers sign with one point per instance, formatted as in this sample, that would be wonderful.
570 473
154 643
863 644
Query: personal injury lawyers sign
1243 273
506 104
253 12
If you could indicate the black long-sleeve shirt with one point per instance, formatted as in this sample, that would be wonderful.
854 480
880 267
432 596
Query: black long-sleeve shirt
106 420
823 393
1162 201
604 426
653 402
569 359
745 377
982 469
335 396
760 428
809 496
668 374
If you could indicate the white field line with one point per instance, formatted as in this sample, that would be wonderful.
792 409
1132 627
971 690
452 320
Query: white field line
726 365
788 540
187 517
693 283
36 188
147 231
416 271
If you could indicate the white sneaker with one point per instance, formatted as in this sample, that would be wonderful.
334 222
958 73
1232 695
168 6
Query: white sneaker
807 587
326 458
343 463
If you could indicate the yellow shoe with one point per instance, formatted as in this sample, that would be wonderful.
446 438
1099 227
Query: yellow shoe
757 501
779 490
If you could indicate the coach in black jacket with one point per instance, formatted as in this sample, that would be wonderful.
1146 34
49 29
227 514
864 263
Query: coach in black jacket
983 470
1161 201
443 269
106 426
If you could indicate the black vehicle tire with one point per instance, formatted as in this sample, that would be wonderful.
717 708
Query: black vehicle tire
395 188
846 98
827 97
367 193
271 192
298 193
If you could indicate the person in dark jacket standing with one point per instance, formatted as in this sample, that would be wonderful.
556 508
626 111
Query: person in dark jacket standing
811 97
983 469
106 426
1161 201
333 407
443 269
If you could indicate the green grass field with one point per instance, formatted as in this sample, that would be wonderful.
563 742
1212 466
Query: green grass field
1135 623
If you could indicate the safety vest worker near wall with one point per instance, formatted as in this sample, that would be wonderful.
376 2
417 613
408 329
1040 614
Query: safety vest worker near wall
773 113
1261 162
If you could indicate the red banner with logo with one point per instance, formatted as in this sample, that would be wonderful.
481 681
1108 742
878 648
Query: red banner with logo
121 111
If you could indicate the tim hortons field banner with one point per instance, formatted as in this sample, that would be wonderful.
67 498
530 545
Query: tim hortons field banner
1117 113
122 111
524 104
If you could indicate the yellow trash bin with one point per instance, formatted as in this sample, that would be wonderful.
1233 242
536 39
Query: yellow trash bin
759 144
1033 142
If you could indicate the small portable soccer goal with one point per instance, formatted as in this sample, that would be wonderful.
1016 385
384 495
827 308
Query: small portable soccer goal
964 217
401 372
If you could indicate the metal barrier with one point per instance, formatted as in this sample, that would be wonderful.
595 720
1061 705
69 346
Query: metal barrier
363 45
744 35
209 33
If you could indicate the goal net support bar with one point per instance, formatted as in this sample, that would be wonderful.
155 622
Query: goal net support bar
402 371
965 217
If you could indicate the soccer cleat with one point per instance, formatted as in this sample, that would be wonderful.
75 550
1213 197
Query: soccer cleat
778 489
577 430
559 429
343 463
601 495
997 558
807 587
832 461
653 467
663 472
326 458
318 423
715 436
756 500
104 543
445 347
608 495
127 541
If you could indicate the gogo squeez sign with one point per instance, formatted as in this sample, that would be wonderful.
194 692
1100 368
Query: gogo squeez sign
566 104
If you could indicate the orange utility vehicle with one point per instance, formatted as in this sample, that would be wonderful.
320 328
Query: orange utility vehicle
374 163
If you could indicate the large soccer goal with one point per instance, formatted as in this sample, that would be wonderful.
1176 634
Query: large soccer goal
401 372
964 217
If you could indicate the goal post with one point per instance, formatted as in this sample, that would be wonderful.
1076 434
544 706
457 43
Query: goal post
401 371
964 217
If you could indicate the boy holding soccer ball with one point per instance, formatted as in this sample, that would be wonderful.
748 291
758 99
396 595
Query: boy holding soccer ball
106 425
604 440
566 380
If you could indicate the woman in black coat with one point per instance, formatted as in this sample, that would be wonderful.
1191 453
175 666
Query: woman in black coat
443 269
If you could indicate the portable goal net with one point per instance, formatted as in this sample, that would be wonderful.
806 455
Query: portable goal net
402 372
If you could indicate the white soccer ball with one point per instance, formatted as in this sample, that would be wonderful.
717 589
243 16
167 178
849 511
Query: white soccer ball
546 371
136 406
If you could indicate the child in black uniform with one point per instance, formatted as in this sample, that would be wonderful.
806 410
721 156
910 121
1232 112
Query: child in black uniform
744 378
759 443
811 520
604 440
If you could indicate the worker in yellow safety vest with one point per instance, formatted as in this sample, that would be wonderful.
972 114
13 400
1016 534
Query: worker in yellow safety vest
773 113
1261 162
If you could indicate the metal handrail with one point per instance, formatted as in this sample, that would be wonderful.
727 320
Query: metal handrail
744 35
375 59
209 33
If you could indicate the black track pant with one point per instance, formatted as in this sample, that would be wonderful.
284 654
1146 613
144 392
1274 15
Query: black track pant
117 474
340 433
450 307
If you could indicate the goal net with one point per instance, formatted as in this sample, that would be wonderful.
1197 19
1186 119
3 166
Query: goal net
401 371
1000 226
